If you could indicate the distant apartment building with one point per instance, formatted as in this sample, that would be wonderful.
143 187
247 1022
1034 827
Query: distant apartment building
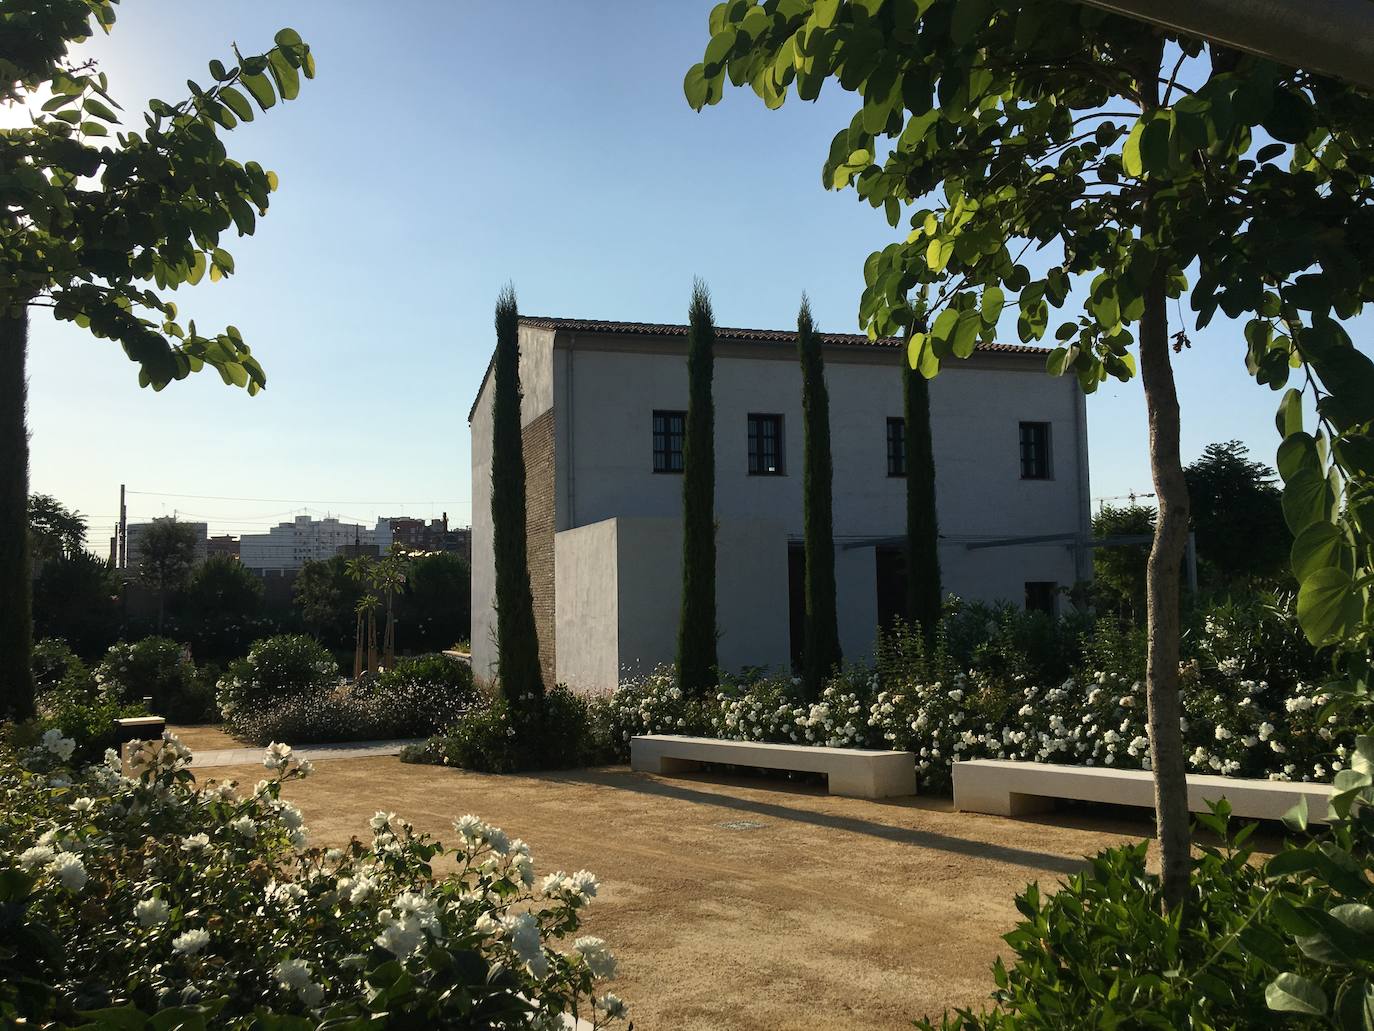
224 544
435 535
288 546
137 533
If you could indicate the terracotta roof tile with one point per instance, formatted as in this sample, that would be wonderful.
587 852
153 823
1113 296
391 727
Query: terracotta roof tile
781 336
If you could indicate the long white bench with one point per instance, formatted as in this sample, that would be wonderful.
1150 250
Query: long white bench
858 773
1006 788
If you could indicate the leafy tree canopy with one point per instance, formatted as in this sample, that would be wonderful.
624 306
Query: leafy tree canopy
54 529
327 595
95 220
1237 513
166 554
993 129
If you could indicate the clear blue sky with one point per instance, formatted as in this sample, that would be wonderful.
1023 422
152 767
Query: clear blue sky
443 149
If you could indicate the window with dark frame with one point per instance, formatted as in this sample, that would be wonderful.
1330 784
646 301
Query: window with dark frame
896 447
669 430
1035 451
1041 595
765 445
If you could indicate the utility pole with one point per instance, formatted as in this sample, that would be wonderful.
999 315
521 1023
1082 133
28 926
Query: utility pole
1332 37
123 533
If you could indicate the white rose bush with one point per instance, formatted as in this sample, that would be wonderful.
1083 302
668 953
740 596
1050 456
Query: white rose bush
1252 699
149 900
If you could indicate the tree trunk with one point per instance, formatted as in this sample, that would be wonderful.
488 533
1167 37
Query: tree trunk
16 583
358 648
372 642
1162 595
161 605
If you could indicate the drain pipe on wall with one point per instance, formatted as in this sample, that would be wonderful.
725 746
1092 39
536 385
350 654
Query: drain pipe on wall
572 453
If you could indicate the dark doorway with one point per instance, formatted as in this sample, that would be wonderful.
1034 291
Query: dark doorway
891 586
796 600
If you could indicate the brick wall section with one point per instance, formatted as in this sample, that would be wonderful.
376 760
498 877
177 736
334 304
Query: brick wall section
537 443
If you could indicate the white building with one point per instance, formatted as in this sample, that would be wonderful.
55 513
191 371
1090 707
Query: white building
601 414
288 546
136 532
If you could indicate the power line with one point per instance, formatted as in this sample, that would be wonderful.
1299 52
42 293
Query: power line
291 501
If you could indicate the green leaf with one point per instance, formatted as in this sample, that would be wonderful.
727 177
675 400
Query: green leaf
236 102
1289 417
1320 545
1329 605
1296 452
1154 144
261 89
1306 499
938 253
1289 862
1289 993
1131 162
98 109
288 38
992 303
969 18
287 78
966 334
1296 817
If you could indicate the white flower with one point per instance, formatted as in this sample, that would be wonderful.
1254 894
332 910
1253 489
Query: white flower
191 942
597 957
195 843
277 756
611 1005
523 931
83 805
151 911
245 827
293 974
69 871
60 746
38 856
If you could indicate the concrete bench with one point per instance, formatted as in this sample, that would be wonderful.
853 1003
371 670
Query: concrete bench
858 773
1005 788
139 728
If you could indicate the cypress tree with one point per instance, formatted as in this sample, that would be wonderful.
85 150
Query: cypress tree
517 641
16 585
821 641
696 633
923 593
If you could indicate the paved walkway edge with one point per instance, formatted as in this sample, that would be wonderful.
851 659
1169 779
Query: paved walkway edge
315 753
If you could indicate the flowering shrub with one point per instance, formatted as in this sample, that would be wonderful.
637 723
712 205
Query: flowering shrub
157 668
770 709
127 896
279 667
416 698
651 704
1250 701
487 737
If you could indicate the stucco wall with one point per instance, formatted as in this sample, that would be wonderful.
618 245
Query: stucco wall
976 409
536 385
587 611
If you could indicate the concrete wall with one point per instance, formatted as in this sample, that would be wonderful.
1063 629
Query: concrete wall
536 383
588 616
619 593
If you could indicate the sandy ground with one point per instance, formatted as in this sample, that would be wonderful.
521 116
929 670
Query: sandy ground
744 903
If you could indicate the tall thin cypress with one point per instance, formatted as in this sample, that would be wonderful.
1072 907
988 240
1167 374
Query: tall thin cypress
16 585
923 591
517 641
696 633
821 640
